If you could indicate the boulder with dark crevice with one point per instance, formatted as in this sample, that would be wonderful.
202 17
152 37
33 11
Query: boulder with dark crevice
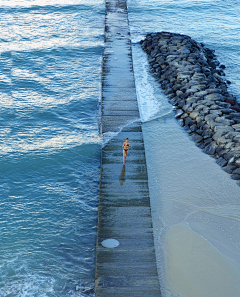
195 83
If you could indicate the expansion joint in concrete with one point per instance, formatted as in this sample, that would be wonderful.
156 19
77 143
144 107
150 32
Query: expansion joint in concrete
129 267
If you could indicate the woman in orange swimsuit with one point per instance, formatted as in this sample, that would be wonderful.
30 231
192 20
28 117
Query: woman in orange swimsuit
125 150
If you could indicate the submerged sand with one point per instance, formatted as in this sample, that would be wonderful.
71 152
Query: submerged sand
195 268
195 215
195 205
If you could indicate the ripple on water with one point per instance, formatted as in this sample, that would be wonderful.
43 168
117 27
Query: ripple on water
186 186
50 146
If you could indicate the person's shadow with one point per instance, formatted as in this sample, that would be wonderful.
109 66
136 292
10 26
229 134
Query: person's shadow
122 175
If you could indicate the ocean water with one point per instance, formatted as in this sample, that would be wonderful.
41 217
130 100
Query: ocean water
214 23
195 204
50 78
50 84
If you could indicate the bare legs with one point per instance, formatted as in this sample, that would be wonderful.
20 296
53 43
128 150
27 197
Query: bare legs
124 156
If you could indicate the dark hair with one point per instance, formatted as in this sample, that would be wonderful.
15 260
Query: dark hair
126 137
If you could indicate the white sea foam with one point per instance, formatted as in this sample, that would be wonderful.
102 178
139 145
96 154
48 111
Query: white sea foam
149 94
31 143
24 3
30 284
108 136
50 147
187 186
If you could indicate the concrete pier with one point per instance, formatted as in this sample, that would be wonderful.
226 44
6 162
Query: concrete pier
124 205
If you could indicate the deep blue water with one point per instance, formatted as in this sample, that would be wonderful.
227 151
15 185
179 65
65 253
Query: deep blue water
50 71
50 85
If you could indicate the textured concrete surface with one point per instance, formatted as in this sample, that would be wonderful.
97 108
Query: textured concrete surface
119 101
124 204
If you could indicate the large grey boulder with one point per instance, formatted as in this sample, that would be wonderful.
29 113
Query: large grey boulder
210 148
221 161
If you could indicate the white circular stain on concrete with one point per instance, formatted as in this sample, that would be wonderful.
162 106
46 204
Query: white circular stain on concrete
110 243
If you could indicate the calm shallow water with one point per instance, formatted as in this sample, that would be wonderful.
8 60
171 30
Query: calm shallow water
195 205
50 57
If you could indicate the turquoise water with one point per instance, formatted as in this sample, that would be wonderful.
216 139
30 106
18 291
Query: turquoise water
195 204
50 71
50 84
214 23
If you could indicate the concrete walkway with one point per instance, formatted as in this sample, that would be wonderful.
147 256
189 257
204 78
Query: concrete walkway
124 204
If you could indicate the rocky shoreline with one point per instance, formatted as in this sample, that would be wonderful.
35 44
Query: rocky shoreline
195 84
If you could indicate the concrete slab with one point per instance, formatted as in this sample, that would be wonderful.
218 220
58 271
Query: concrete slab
130 211
119 94
140 269
129 291
126 232
131 257
128 269
123 281
126 222
116 123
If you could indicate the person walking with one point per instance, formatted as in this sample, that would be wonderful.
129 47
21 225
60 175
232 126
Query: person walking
125 149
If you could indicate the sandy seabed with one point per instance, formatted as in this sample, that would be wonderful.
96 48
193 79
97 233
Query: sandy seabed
196 217
195 268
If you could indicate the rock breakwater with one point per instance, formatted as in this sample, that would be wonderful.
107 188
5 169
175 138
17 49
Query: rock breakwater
194 82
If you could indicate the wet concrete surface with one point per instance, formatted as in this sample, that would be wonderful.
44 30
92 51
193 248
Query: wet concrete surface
124 204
